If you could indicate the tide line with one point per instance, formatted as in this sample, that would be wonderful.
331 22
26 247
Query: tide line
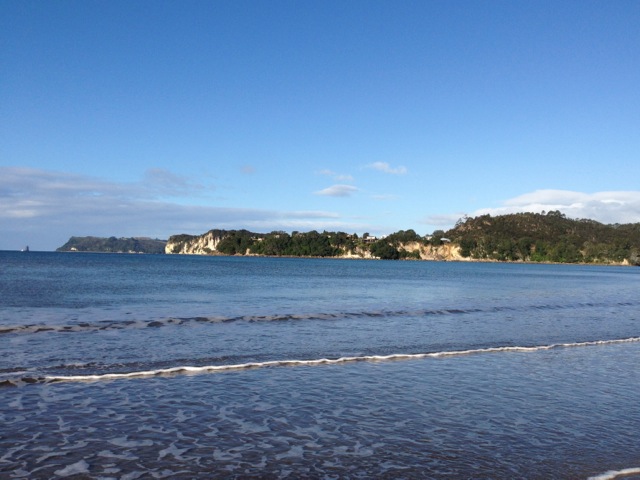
191 370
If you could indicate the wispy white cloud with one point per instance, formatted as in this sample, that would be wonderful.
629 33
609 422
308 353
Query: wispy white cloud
338 177
338 191
159 182
248 169
386 168
34 185
343 177
44 208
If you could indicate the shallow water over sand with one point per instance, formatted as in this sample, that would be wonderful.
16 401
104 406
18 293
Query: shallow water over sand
432 370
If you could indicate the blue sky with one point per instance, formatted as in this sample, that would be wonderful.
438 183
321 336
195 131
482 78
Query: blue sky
153 118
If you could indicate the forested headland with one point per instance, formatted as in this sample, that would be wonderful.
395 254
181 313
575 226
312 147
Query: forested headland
527 237
113 245
550 237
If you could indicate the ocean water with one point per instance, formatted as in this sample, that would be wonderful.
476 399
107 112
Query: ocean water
137 366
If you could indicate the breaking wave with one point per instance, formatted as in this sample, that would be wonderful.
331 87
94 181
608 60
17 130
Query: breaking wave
193 370
612 474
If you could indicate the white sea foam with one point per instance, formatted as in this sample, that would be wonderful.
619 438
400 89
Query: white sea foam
611 474
110 454
78 468
125 442
187 370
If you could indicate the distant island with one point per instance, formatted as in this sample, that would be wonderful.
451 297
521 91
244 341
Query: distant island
523 237
113 245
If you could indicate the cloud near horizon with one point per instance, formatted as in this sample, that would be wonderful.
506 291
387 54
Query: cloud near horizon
386 168
44 208
604 207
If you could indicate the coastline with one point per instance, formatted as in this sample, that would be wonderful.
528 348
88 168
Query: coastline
624 263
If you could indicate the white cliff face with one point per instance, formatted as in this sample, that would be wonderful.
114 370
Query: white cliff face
193 245
358 253
447 252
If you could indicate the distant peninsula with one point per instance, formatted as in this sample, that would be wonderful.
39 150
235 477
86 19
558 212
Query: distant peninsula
113 245
522 237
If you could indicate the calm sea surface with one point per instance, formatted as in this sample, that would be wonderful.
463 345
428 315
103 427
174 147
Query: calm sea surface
139 366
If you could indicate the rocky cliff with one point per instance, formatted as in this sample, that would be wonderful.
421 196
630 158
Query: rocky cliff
194 244
445 252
